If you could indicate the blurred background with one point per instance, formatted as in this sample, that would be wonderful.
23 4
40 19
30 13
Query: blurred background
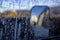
29 19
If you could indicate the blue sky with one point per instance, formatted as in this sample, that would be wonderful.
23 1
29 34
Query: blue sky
37 10
25 4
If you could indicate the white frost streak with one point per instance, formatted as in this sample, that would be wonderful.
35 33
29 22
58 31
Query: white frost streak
26 4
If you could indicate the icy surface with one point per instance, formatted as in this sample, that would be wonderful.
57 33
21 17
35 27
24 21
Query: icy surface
25 4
